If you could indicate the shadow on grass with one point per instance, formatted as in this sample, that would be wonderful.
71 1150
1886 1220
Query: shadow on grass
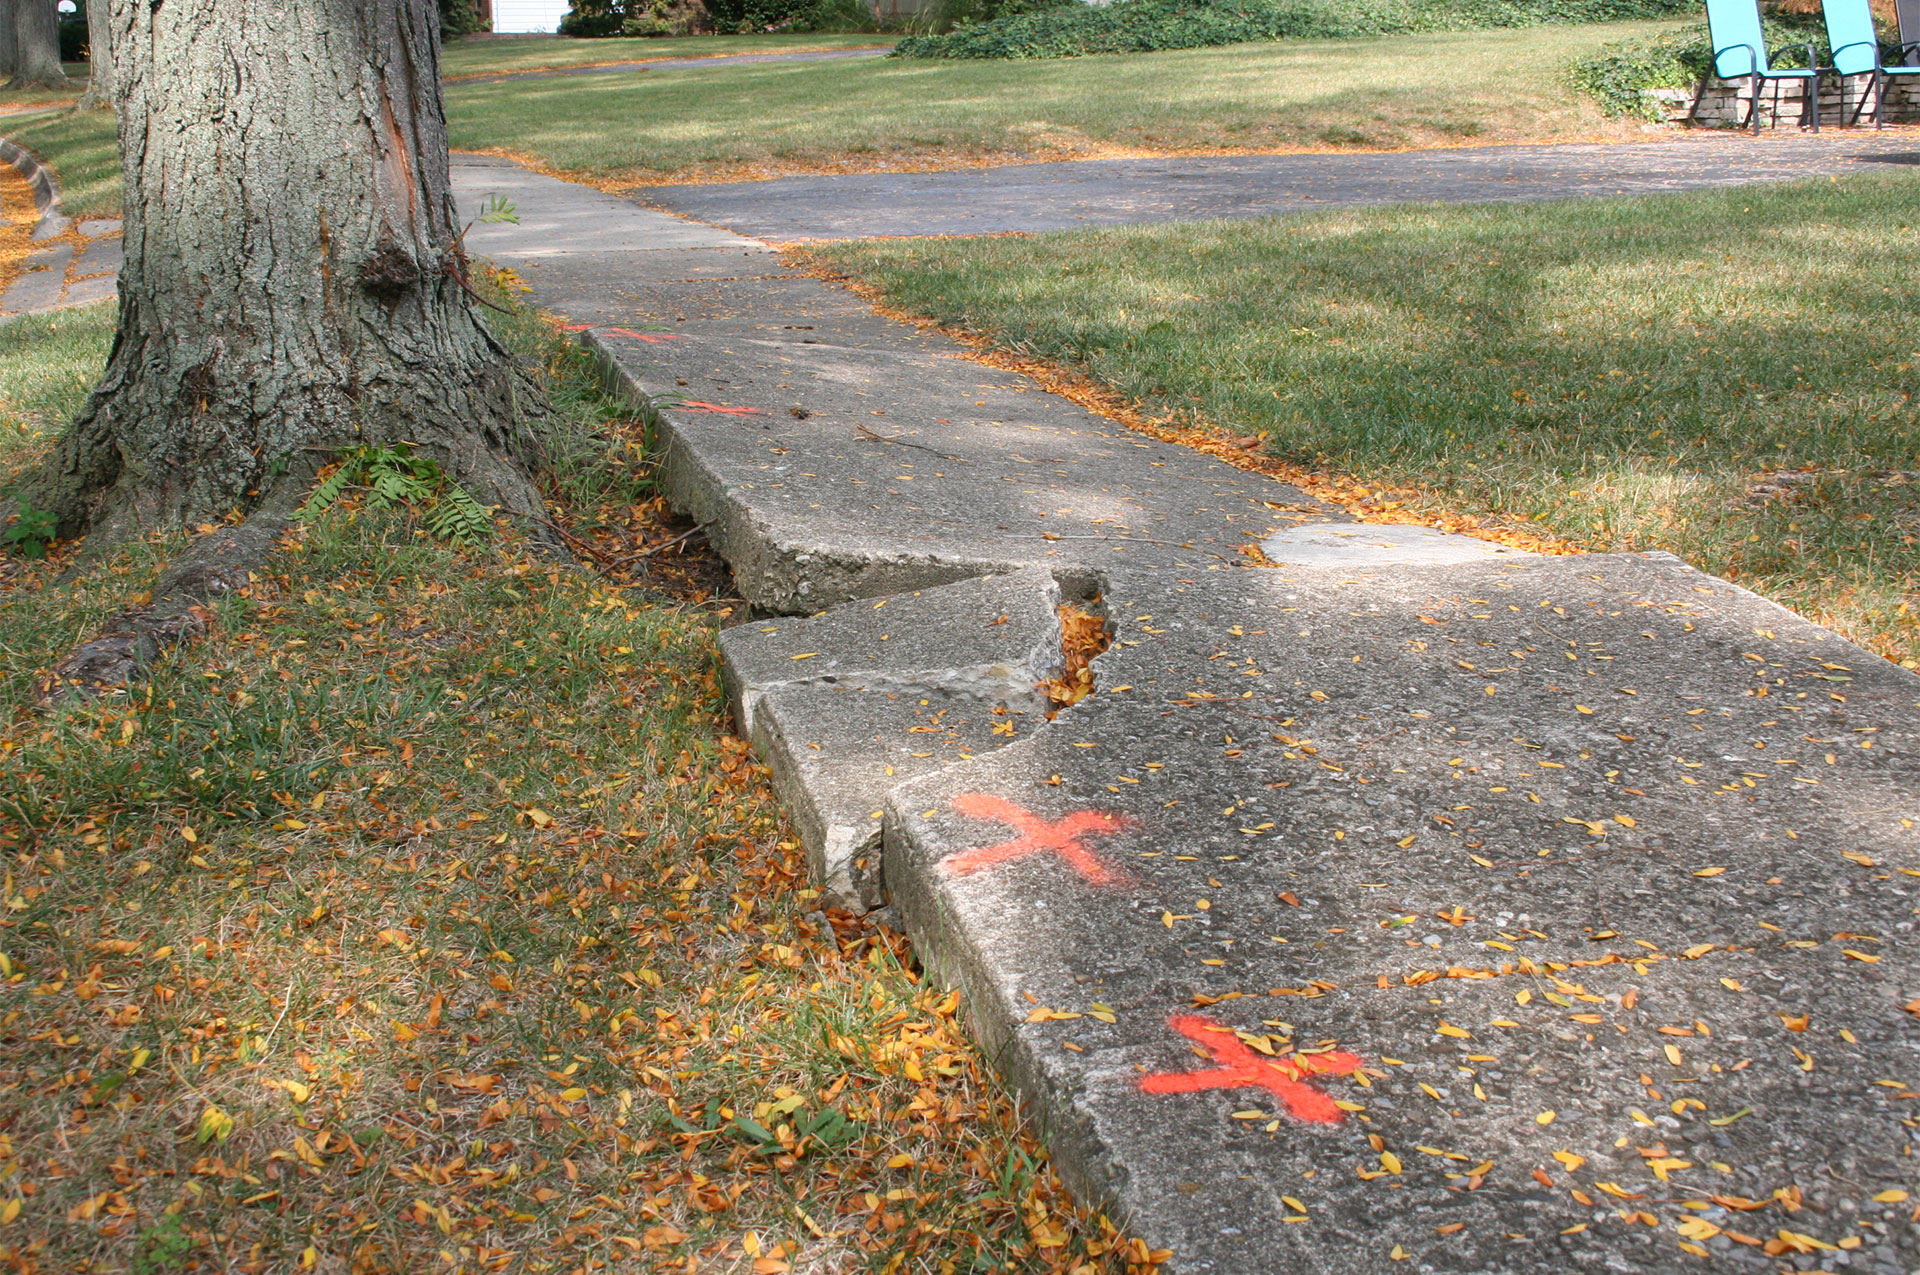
1625 373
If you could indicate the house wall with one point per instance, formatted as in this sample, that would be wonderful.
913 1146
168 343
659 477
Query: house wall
528 16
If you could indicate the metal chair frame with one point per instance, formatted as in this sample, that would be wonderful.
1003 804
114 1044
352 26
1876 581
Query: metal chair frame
1735 29
1882 74
1755 77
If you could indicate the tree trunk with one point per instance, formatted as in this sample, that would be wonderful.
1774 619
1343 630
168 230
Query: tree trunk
9 55
293 281
99 94
36 45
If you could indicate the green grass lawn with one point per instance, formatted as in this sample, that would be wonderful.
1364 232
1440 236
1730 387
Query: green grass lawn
1480 86
48 365
488 57
426 908
37 99
741 120
84 150
1628 374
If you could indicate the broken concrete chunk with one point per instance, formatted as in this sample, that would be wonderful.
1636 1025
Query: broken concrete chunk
992 637
837 748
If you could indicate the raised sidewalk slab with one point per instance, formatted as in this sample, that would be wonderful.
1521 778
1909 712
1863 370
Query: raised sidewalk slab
1406 901
846 706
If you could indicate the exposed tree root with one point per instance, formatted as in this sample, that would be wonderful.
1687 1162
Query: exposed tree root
215 566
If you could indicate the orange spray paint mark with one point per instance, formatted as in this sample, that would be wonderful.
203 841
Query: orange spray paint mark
1037 835
1242 1068
694 405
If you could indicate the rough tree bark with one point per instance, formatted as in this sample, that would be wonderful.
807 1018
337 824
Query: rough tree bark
293 280
99 94
9 55
36 45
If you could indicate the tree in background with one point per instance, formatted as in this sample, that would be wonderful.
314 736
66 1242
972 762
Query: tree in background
294 282
31 48
99 94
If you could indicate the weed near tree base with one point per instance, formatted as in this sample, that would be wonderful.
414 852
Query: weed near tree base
424 917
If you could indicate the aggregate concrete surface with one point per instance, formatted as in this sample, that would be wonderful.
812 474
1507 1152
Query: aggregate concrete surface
1407 900
1551 852
1105 192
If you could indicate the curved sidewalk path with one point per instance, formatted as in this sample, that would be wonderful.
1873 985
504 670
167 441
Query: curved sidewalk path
1080 193
674 64
1410 899
76 263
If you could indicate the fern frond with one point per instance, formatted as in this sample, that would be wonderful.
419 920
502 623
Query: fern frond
458 517
330 489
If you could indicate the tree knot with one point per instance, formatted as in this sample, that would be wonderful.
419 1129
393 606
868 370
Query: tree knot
390 272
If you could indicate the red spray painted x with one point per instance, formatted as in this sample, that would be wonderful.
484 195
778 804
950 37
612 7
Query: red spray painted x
1058 836
1242 1068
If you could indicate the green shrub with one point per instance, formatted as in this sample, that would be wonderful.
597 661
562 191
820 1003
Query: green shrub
1619 73
747 16
835 15
594 18
1135 26
948 15
73 37
633 18
460 17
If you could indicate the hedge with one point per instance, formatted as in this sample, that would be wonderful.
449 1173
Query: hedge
1138 26
1617 75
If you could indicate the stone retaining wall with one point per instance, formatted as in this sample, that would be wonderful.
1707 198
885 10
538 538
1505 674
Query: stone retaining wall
1723 103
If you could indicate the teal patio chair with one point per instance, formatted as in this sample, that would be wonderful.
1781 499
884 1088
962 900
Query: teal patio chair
1740 53
1856 51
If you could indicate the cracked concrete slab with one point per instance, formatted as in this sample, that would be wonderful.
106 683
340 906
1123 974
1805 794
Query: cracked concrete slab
844 705
99 256
41 283
1553 854
1497 912
838 455
836 749
999 631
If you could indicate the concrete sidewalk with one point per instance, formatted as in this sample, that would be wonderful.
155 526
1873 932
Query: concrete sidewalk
1407 900
1065 196
77 263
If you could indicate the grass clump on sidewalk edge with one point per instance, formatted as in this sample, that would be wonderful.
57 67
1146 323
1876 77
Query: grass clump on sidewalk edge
1138 26
424 917
1728 375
